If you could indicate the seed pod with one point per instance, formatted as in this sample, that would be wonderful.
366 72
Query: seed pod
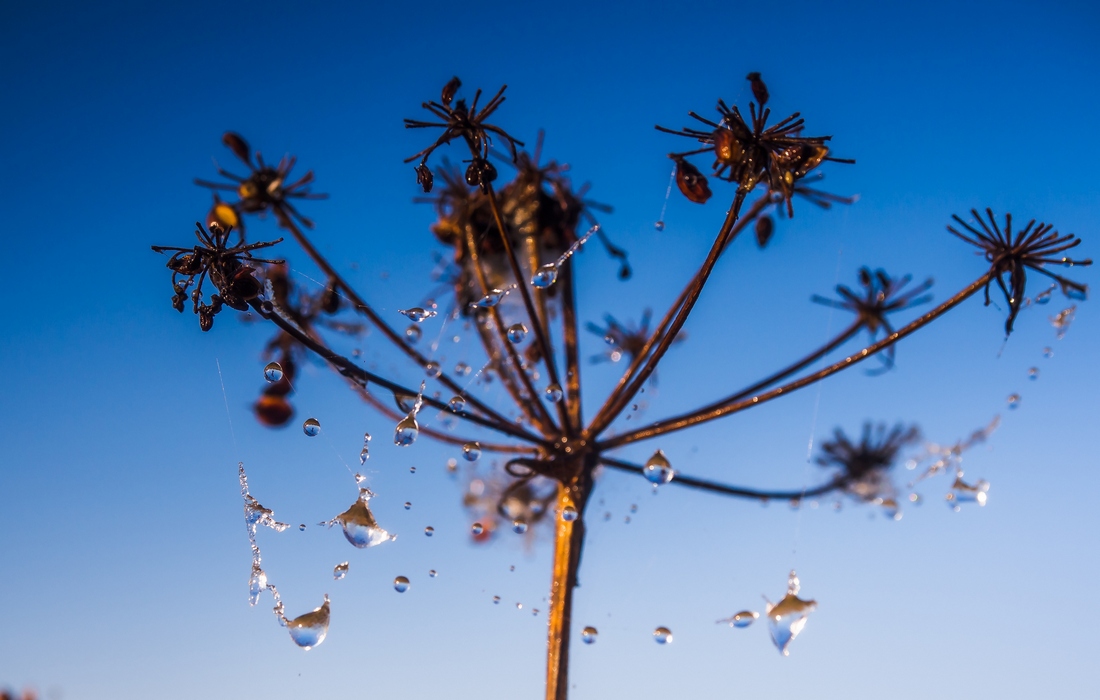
237 144
764 229
424 177
691 182
450 89
759 89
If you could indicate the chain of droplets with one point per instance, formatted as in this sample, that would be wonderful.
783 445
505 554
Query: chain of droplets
255 515
547 274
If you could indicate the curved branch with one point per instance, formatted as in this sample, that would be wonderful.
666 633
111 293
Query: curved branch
737 491
668 426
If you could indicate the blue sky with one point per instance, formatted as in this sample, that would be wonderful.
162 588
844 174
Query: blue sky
123 554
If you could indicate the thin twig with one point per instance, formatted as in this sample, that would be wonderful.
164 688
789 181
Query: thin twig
726 490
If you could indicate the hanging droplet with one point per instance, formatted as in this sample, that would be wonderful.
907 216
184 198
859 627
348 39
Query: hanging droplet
429 531
1044 296
462 369
412 470
569 514
361 480
364 455
477 529
433 370
491 299
257 584
360 527
401 584
660 226
456 404
517 332
406 432
417 314
554 393
1048 352
742 619
273 372
787 617
519 526
340 571
657 469
1033 373
412 333
302 527
471 451
310 629
496 600
545 276
519 606
1013 401
662 635
311 427
589 634
432 573
408 504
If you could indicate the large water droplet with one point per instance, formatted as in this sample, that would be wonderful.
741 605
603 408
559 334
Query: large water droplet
519 526
311 427
310 629
517 332
401 584
273 372
360 527
417 314
553 393
657 469
406 432
413 333
471 451
569 514
1013 401
545 276
340 571
589 634
662 635
457 404
787 617
477 529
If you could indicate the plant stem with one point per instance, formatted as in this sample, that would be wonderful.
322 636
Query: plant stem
572 359
737 491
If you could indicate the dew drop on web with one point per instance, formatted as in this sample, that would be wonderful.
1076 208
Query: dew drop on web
569 514
589 634
519 526
1033 373
340 571
471 451
517 332
662 635
429 531
554 393
311 427
310 629
477 529
413 333
401 584
273 372
406 432
457 404
657 469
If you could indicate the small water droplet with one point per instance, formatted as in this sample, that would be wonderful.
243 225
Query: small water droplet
569 514
401 584
452 465
432 573
302 527
364 455
413 333
491 299
512 567
361 480
519 526
519 606
534 612
554 393
1013 401
496 600
891 509
433 370
273 372
417 314
517 332
1048 352
310 629
657 469
477 529
462 369
545 276
429 531
1033 373
662 635
408 504
360 527
406 432
915 499
457 403
471 451
340 571
633 507
1044 296
311 427
660 226
589 634
742 619
412 470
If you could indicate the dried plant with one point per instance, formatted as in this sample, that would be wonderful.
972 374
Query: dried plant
516 242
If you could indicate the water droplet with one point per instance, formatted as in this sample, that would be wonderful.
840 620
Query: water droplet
491 299
891 509
1033 373
1014 401
413 333
311 427
401 584
660 226
553 393
429 531
433 370
257 584
545 276
406 432
657 469
302 527
519 526
477 529
517 332
787 617
1062 320
1044 297
273 372
340 571
962 492
457 403
662 635
462 369
534 612
452 465
360 527
915 499
519 606
744 619
432 573
589 634
471 451
569 514
496 600
310 629
412 470
417 314
1048 352
364 455
633 507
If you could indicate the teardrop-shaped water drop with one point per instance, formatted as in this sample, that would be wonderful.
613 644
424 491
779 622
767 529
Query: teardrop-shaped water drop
554 393
477 529
519 526
517 332
360 527
657 469
787 617
662 635
569 514
364 455
545 276
302 527
257 584
471 451
417 314
1044 296
589 634
311 427
340 571
457 404
413 333
273 372
490 300
406 432
310 629
401 584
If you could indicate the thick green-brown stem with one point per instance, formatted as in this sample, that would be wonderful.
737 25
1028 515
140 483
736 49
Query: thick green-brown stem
568 542
679 423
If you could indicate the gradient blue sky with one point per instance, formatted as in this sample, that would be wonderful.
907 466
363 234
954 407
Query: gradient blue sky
123 559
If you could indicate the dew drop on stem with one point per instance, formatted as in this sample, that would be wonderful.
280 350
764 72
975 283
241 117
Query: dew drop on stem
517 332
311 427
